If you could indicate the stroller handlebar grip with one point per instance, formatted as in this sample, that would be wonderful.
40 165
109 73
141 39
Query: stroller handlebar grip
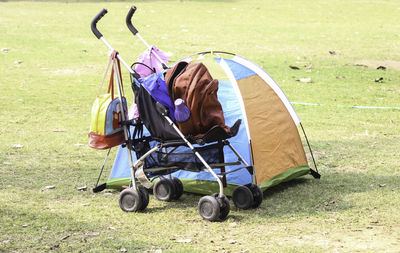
129 20
94 23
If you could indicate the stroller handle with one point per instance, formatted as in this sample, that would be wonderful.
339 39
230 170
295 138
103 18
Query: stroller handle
129 20
94 23
136 33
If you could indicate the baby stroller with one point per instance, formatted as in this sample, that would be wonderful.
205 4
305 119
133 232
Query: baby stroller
162 145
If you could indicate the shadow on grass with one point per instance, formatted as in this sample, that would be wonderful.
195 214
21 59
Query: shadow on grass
304 196
309 197
41 230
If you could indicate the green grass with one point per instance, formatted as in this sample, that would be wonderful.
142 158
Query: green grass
45 106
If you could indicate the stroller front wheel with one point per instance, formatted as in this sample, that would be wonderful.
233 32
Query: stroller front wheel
243 197
209 208
164 190
257 195
130 200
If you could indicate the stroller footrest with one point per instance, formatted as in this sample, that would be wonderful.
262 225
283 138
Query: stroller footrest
249 169
130 122
217 133
141 176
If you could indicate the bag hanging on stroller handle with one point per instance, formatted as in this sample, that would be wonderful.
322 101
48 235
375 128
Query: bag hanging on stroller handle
115 66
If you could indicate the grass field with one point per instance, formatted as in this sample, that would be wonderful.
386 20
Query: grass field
51 64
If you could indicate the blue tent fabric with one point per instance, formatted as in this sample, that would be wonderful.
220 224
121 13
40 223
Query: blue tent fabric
230 97
232 112
120 168
231 109
239 71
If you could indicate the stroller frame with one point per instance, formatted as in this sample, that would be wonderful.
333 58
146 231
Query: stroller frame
136 198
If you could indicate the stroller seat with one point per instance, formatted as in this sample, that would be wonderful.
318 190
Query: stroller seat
167 149
214 134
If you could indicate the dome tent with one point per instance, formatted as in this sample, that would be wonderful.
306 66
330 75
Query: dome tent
268 137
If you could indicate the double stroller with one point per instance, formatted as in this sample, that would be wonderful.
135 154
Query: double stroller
179 125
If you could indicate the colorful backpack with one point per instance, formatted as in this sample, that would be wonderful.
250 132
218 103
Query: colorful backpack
105 129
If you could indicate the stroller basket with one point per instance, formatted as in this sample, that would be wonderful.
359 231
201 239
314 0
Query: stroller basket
180 157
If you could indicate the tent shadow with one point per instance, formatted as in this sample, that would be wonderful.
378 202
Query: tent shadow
157 209
309 197
187 201
303 196
285 186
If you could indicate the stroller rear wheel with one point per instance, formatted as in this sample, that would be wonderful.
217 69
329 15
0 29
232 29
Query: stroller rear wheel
130 200
242 197
257 195
178 188
209 208
164 190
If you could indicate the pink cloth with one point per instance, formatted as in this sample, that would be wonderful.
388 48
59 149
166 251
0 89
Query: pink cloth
148 58
133 112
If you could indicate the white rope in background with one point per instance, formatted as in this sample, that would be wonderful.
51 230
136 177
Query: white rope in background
348 106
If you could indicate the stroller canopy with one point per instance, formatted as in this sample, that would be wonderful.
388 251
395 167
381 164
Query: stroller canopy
268 137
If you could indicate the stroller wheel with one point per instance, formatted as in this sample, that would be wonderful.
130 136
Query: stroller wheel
144 194
225 206
130 200
242 197
257 195
209 208
164 190
178 188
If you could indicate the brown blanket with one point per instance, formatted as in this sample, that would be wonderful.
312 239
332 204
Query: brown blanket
193 83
